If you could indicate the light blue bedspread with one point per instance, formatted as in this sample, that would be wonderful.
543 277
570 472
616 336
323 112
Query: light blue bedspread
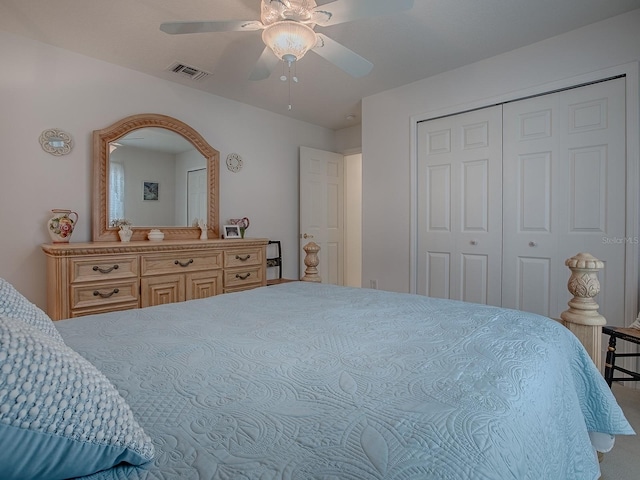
309 381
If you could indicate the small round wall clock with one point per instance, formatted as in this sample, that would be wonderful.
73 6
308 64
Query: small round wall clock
234 162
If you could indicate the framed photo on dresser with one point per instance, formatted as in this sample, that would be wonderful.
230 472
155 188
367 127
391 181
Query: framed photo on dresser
231 231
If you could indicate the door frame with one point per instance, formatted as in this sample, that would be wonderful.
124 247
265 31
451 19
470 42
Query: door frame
351 239
632 73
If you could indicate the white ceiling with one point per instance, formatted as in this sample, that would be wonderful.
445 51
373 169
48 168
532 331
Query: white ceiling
433 37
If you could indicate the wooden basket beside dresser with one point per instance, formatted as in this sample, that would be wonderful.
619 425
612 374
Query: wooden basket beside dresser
88 278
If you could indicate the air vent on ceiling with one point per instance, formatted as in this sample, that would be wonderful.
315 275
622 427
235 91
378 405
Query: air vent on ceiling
188 71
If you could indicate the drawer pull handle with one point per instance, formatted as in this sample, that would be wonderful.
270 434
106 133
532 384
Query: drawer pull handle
185 264
243 259
105 270
96 293
243 276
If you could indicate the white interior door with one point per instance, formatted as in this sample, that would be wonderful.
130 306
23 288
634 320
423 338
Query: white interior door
564 193
460 206
322 210
196 195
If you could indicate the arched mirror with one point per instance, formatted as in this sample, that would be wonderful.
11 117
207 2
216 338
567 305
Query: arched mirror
157 172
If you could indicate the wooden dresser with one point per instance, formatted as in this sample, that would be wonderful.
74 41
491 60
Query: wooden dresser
97 277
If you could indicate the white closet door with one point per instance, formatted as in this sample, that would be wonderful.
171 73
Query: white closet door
564 193
460 206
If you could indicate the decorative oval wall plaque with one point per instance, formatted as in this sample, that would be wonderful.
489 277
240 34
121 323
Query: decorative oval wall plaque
56 142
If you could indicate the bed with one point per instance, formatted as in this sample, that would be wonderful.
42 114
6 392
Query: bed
313 381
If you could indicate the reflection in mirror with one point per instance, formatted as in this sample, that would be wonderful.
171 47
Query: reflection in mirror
173 172
157 172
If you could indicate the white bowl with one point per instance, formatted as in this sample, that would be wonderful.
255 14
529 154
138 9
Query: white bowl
155 235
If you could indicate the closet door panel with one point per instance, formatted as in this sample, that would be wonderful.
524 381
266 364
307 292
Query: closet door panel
474 278
533 287
588 202
533 190
438 272
475 201
438 198
564 168
596 147
459 206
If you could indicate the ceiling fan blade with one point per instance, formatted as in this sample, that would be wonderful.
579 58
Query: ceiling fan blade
175 28
342 11
342 57
264 66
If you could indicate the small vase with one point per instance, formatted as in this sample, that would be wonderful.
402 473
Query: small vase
61 225
125 233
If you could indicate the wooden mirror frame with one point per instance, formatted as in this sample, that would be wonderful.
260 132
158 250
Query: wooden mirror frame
102 231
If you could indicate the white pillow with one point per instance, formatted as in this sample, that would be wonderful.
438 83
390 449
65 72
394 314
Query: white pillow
60 417
13 304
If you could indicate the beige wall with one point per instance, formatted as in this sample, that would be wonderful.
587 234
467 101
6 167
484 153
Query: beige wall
388 118
45 87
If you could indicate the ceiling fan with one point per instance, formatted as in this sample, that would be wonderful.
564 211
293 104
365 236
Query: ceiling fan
288 31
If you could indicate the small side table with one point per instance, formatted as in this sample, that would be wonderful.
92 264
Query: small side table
628 334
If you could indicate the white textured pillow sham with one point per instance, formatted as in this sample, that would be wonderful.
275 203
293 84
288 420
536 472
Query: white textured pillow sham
60 417
14 304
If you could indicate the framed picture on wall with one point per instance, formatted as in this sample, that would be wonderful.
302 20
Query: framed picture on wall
150 191
231 231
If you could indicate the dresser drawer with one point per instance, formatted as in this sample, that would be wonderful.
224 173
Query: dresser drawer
103 309
243 257
104 293
243 276
103 268
172 263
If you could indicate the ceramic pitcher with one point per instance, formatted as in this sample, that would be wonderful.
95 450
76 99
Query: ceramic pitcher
61 225
125 233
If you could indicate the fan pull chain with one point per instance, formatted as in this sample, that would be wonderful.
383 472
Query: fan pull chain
289 77
289 88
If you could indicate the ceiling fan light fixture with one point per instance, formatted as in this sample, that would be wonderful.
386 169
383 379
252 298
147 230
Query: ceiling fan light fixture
289 40
273 11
